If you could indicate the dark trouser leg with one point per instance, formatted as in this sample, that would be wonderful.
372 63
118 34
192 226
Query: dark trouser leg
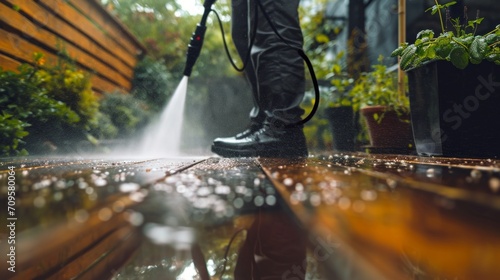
276 71
241 27
279 68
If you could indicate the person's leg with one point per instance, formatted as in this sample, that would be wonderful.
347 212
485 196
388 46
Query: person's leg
277 75
279 68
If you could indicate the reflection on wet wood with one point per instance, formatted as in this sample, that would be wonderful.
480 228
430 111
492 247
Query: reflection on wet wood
89 232
70 249
391 224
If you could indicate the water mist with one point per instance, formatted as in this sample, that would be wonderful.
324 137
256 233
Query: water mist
163 137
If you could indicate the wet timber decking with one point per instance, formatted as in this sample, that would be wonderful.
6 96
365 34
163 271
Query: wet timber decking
362 216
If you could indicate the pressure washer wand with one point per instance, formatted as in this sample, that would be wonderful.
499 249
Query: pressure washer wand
194 47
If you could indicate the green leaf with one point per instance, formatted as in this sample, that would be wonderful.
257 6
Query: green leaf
475 61
492 38
473 23
407 57
478 48
398 51
459 57
433 9
494 57
322 38
425 34
449 4
430 53
336 69
444 50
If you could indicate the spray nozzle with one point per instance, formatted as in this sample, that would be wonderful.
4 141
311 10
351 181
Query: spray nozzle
194 47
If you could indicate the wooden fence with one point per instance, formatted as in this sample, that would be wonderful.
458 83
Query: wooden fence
90 35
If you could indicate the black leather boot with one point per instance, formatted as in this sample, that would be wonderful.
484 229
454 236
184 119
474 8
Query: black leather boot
269 141
253 127
276 74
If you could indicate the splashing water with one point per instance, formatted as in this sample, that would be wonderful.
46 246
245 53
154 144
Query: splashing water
163 137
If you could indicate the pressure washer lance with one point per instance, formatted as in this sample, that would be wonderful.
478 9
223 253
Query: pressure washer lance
194 47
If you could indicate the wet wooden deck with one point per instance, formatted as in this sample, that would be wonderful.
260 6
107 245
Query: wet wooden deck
366 216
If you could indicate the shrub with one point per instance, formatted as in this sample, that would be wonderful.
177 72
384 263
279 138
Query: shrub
106 128
25 107
12 131
67 84
151 83
126 113
52 105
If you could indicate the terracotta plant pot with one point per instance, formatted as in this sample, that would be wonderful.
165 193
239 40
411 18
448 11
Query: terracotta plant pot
392 133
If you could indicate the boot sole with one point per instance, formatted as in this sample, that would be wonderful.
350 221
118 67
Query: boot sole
262 152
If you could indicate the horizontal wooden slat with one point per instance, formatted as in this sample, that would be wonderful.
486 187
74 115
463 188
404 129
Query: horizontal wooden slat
93 10
14 20
7 63
23 50
45 20
101 85
70 15
17 47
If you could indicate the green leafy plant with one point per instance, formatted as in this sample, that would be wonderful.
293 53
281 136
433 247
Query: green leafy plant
12 131
66 83
460 46
379 87
341 83
42 104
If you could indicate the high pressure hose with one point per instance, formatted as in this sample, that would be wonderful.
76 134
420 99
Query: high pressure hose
196 44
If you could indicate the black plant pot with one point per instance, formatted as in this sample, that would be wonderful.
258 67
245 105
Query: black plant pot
341 121
456 113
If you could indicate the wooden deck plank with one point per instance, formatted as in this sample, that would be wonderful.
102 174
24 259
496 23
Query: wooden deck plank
105 249
398 228
89 245
40 253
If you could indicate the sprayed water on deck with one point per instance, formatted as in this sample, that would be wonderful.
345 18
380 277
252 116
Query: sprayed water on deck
163 137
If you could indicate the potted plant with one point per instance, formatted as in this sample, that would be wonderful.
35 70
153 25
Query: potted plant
339 107
454 85
384 109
